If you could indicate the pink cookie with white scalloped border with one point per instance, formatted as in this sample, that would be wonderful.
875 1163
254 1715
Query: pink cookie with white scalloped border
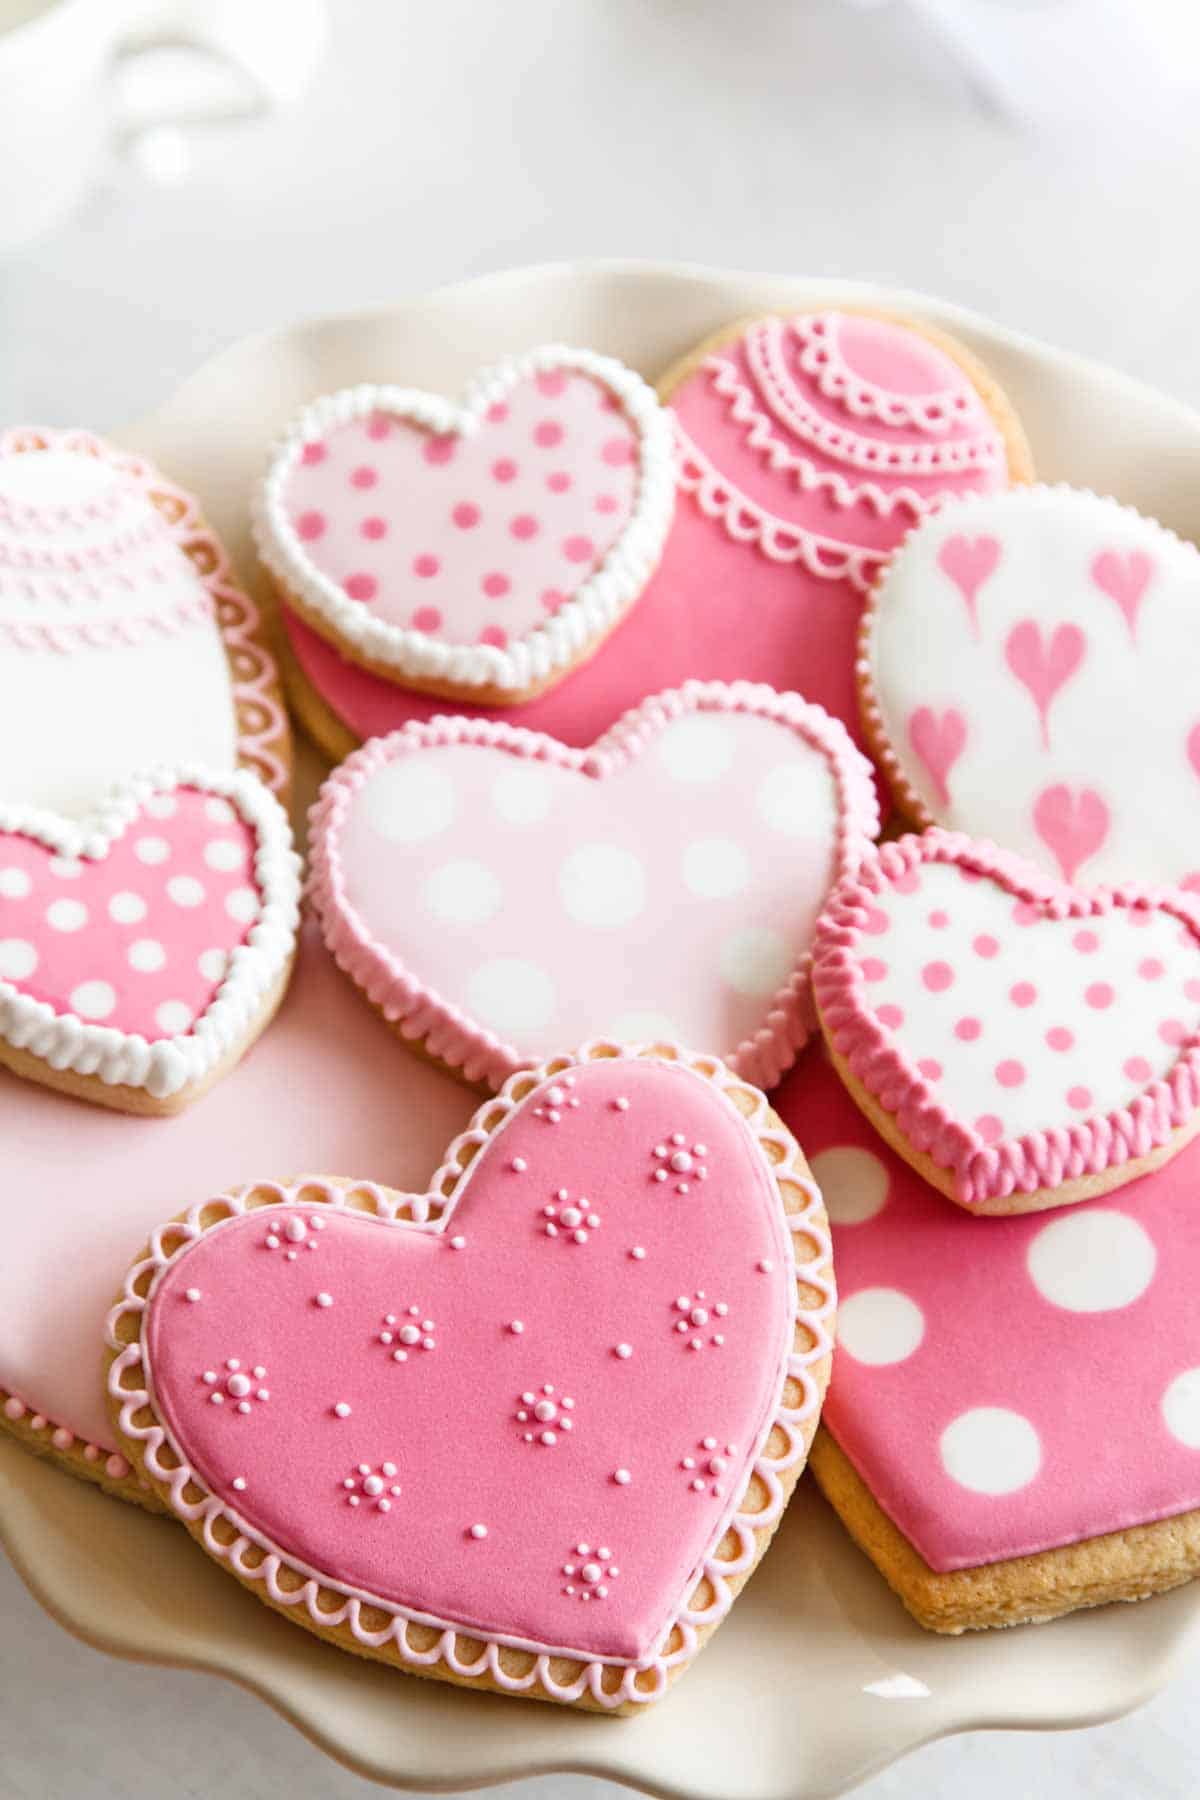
143 950
1026 674
479 551
1014 1426
492 891
125 640
807 445
1022 1044
531 1429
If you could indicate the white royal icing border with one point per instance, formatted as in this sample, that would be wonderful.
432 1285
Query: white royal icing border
551 648
125 1059
129 1359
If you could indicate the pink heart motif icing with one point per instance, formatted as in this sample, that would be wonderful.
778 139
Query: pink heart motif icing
125 641
980 1361
525 1405
492 891
1074 686
139 947
807 447
968 562
488 545
939 742
1020 1034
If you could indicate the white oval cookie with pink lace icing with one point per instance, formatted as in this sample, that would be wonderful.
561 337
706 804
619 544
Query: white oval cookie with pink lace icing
1022 1044
491 889
125 642
478 550
1027 674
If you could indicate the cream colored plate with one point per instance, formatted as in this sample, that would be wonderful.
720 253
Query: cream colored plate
818 1678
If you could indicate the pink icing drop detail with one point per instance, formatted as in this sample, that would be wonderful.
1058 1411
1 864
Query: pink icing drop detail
875 921
1086 942
524 527
891 1016
1137 1069
939 920
312 454
374 528
985 945
310 525
551 383
440 450
1044 666
937 977
1152 969
930 1068
1072 826
1173 1032
1010 1073
494 635
362 587
364 476
990 1128
969 562
1022 993
939 742
426 567
466 515
968 1029
426 618
548 434
1124 577
1100 995
873 968
1059 1038
495 585
578 549
504 469
1080 1098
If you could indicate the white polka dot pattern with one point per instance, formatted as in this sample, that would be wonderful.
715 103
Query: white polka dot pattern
635 882
1053 1392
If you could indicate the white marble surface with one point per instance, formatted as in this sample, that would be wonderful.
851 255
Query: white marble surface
448 138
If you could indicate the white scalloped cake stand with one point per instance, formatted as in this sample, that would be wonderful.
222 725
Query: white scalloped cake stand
819 1677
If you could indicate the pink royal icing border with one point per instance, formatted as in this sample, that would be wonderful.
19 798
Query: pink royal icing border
432 1212
102 1462
118 1058
1037 1160
447 1032
262 725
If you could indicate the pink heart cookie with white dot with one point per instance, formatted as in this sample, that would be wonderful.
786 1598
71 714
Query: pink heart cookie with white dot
1026 674
494 892
1022 1044
141 952
531 1429
481 550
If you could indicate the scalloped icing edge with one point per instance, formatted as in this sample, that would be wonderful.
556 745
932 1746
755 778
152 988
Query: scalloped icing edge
870 706
264 736
709 1591
166 1067
447 1033
547 652
1040 1161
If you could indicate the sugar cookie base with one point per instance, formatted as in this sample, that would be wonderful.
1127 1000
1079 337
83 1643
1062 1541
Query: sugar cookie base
1121 1565
73 1460
512 1661
1017 453
1067 1193
127 1099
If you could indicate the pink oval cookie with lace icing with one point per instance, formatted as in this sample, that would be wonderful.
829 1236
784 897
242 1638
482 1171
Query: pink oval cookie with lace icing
125 641
1022 1044
807 446
1014 1425
143 950
479 550
1027 674
532 1428
491 890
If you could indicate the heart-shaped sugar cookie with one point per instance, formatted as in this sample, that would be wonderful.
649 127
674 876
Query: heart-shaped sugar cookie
143 950
493 892
1024 1045
478 551
531 1429
1027 674
125 642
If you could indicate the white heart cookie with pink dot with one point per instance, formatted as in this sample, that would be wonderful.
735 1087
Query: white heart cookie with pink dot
1027 674
142 951
460 1434
478 550
493 891
1024 1045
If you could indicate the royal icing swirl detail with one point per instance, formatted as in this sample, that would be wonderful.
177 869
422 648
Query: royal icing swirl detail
980 1360
98 552
484 545
666 881
139 946
1019 1034
1042 616
605 1573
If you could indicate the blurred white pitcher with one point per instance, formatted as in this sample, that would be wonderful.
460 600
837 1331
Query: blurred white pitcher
58 92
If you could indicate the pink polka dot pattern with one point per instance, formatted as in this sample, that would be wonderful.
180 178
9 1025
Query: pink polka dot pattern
482 518
1039 1021
995 1338
138 940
